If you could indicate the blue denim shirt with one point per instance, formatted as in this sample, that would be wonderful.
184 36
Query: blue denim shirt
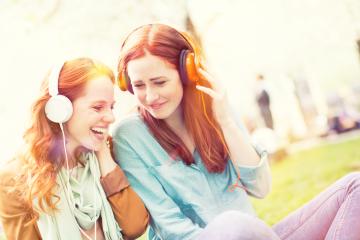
182 199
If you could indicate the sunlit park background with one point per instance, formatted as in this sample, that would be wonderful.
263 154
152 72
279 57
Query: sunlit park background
307 51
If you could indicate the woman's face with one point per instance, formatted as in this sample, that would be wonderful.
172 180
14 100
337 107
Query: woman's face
92 115
156 85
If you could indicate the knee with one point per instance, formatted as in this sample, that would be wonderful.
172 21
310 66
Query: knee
352 181
236 225
353 177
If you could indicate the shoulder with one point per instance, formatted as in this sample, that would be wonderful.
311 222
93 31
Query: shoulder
130 127
130 122
10 198
8 172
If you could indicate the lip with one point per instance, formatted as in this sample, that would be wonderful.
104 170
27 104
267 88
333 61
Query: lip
98 136
156 106
106 127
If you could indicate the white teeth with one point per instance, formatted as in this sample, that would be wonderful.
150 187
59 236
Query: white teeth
99 130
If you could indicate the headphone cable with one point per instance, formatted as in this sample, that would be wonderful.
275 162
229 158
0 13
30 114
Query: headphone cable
69 186
220 135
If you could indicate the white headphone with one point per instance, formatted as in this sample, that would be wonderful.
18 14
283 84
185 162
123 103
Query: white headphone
58 108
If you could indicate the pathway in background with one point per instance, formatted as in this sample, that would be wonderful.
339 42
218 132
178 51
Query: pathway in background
314 142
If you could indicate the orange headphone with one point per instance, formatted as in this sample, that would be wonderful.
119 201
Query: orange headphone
189 62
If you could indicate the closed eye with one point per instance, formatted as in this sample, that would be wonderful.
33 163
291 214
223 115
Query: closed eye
159 83
138 85
97 108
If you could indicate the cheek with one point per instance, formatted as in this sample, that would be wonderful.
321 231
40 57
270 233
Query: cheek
81 120
177 93
140 96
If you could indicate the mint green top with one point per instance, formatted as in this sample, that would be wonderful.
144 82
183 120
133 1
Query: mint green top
81 202
182 199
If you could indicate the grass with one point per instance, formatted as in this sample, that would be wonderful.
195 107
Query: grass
301 176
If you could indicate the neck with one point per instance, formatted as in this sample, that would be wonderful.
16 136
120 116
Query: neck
176 120
177 124
70 147
70 152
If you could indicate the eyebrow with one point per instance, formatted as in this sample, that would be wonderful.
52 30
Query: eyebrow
102 102
156 78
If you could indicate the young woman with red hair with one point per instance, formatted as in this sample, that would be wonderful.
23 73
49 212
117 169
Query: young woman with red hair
192 164
65 184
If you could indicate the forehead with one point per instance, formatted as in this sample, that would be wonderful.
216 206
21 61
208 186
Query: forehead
149 66
99 88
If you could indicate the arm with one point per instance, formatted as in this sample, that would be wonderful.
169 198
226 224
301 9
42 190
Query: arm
251 161
251 164
167 220
14 212
240 148
129 210
257 179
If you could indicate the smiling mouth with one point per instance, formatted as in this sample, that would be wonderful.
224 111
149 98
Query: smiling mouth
156 106
99 132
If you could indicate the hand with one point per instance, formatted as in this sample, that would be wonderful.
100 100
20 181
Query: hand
104 152
220 105
106 161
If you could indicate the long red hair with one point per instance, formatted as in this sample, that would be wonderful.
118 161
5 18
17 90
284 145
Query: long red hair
43 155
166 42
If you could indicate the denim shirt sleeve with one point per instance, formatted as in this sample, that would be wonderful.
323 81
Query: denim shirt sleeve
257 179
167 220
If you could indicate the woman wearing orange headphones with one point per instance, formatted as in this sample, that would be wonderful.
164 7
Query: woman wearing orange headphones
190 162
65 183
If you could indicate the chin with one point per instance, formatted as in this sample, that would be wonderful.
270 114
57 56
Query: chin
92 146
160 115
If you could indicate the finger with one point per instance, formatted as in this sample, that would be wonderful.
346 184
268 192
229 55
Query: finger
208 91
205 75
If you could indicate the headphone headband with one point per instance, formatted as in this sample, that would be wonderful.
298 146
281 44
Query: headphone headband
54 79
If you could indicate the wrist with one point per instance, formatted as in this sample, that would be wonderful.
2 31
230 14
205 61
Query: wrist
106 165
104 155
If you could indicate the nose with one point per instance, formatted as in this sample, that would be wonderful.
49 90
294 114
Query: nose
151 95
109 116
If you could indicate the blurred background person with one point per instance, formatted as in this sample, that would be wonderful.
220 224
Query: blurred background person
263 101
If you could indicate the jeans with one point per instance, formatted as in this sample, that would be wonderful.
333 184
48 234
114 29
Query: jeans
333 214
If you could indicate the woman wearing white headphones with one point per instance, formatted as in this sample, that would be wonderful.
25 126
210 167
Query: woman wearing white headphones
65 183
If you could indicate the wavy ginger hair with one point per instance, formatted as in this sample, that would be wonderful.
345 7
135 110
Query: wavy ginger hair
166 42
44 156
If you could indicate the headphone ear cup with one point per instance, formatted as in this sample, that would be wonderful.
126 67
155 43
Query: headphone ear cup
124 83
58 109
187 68
191 68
